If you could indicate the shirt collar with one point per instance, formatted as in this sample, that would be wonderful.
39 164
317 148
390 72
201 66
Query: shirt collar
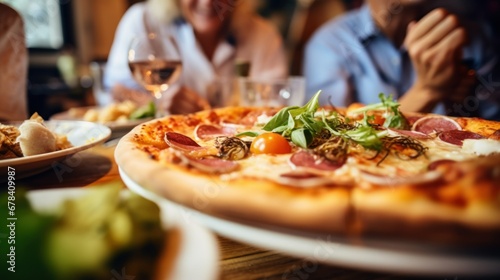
365 26
224 51
368 28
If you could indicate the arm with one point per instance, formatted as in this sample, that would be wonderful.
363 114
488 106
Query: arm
119 78
435 47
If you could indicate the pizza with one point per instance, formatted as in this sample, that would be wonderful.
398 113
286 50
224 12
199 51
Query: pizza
365 170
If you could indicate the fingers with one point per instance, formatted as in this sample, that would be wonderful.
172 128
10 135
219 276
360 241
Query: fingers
444 36
121 93
426 24
453 41
187 101
439 32
435 47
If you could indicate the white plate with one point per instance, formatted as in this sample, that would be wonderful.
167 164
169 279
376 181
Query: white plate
385 256
198 256
82 135
118 128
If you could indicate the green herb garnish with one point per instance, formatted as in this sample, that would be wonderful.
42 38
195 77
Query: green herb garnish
297 123
391 113
307 127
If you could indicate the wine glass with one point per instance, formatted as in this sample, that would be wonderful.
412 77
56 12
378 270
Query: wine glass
155 63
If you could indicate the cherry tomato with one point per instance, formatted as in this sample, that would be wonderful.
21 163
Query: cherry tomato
377 118
270 143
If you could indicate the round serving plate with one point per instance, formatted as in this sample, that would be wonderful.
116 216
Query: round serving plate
374 255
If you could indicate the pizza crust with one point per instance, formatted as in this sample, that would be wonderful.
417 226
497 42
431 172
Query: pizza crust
463 208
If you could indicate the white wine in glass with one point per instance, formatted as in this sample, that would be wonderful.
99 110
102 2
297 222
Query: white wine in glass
155 63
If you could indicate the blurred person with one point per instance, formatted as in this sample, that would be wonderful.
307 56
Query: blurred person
434 56
211 34
13 65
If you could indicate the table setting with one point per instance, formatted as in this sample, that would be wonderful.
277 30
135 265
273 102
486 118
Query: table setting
210 246
175 141
182 169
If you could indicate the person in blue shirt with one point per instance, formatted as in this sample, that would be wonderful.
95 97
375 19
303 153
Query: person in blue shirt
433 56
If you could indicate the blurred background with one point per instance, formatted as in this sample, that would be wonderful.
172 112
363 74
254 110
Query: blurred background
67 37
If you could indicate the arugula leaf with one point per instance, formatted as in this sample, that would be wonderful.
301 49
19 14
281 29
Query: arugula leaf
280 129
367 136
297 123
248 133
301 137
392 115
280 119
301 124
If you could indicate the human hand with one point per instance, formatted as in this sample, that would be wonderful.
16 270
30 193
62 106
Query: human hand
435 47
187 101
121 93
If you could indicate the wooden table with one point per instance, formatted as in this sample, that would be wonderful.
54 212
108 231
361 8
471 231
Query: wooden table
238 261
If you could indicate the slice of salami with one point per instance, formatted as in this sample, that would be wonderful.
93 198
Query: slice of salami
435 124
309 160
495 135
181 142
207 131
457 137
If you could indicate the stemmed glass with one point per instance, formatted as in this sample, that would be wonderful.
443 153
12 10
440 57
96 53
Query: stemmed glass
155 63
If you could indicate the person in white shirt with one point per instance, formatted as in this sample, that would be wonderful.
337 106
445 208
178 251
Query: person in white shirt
212 36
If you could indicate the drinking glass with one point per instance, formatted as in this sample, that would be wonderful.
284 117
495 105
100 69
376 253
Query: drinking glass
272 92
155 63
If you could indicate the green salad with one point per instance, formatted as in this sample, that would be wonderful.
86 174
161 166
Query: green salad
101 235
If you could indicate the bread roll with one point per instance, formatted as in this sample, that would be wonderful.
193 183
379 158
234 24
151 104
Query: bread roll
36 139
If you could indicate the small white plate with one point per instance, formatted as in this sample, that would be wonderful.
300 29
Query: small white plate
118 128
198 254
383 256
82 135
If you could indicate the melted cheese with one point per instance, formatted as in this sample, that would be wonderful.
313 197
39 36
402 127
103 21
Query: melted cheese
438 150
481 147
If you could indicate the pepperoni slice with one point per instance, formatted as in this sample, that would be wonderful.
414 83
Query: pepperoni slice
207 131
457 137
181 141
435 124
495 135
308 160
